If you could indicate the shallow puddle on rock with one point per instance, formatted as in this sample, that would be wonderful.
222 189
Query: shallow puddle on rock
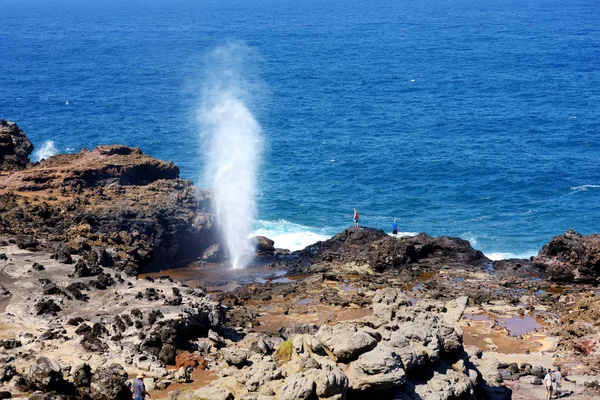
424 276
221 278
520 325
304 302
516 325
554 290
348 288
418 288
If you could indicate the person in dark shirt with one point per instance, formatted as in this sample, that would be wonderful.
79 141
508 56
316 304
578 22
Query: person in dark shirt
139 389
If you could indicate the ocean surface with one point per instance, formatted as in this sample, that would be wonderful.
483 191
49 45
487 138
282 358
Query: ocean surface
477 119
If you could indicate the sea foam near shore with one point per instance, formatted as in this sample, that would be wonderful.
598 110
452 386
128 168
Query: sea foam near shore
291 236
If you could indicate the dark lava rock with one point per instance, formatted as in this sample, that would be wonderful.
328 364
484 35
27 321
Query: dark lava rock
26 242
86 268
63 255
8 372
75 321
375 248
263 245
154 315
152 344
50 334
108 383
102 281
176 301
45 374
571 256
105 259
15 147
90 342
5 395
151 294
83 328
38 267
50 288
99 330
3 257
82 375
168 354
10 343
47 307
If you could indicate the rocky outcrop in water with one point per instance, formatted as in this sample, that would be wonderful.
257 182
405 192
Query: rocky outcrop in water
15 147
367 250
571 256
128 206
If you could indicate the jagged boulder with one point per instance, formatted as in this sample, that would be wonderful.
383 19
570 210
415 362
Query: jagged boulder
108 383
263 245
571 256
15 147
378 369
82 375
46 375
346 342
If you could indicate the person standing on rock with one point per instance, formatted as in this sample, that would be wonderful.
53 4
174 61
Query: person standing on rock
356 216
395 228
139 389
557 378
548 384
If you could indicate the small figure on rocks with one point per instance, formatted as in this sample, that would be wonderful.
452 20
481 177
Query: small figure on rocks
548 384
139 389
356 216
394 228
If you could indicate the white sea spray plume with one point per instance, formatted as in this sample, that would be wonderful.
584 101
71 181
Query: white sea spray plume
48 149
234 147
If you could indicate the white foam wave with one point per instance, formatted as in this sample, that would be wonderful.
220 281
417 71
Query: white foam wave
470 237
48 149
584 188
288 235
506 256
405 233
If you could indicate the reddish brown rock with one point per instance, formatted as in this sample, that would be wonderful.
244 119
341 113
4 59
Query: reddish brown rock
112 198
571 256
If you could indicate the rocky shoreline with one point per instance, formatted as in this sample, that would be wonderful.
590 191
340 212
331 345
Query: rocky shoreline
90 297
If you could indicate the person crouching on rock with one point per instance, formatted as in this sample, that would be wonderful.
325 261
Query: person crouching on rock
356 216
139 389
548 384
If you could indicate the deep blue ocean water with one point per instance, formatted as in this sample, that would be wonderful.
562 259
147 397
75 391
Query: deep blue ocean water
478 119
